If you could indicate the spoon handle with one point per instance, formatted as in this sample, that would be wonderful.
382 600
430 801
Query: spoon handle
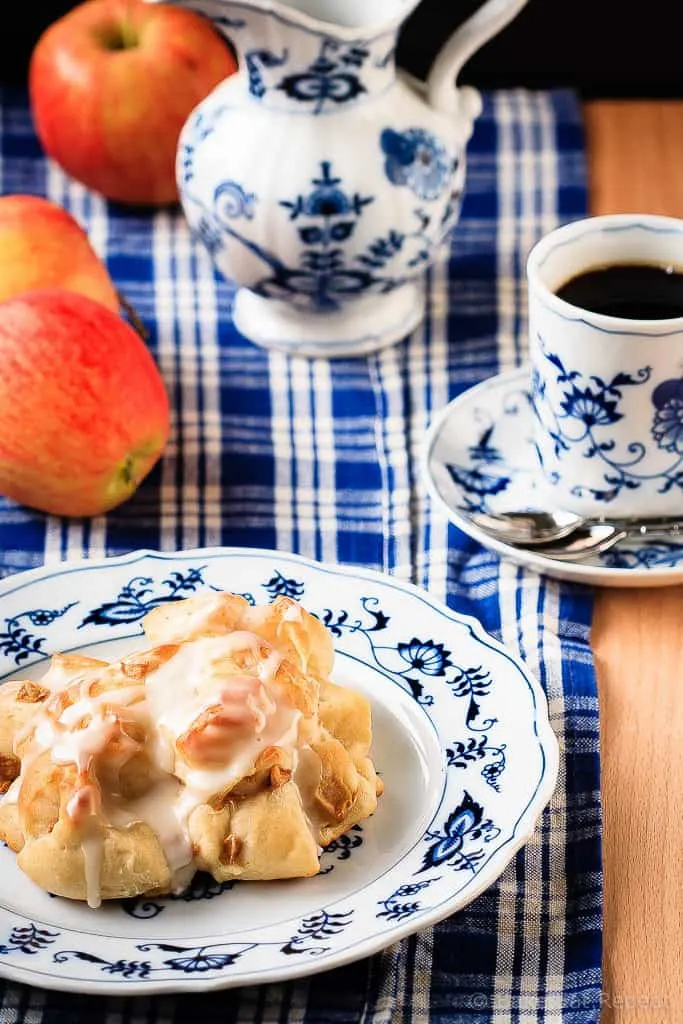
575 549
645 527
572 550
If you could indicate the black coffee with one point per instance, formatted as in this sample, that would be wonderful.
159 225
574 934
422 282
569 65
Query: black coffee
632 290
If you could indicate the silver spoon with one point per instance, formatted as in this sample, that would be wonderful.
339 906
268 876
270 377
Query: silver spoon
596 538
527 526
583 542
534 527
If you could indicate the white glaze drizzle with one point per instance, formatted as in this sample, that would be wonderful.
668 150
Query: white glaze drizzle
307 775
293 614
93 851
158 808
84 810
196 703
253 714
12 794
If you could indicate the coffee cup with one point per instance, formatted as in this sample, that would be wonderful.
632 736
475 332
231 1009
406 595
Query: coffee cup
606 354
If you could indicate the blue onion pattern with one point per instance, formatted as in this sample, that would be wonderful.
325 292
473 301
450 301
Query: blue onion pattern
417 159
400 905
141 594
667 427
476 483
648 555
457 844
313 937
258 60
474 749
233 201
325 219
426 656
332 80
591 407
588 407
18 642
283 586
28 939
202 887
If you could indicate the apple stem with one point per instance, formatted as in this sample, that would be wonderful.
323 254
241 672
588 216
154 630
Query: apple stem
133 316
120 35
129 35
127 474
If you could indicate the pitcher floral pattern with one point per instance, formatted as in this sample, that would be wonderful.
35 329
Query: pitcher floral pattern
369 172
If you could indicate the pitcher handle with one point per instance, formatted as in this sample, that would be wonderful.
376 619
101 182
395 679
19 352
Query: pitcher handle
442 95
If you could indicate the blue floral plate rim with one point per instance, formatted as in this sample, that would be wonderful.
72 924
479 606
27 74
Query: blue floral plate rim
636 563
414 676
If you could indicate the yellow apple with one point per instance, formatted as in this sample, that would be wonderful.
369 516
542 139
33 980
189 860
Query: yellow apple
43 246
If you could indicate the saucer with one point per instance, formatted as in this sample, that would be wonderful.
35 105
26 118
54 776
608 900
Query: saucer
479 456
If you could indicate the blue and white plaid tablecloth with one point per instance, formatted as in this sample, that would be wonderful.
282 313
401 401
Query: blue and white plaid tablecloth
322 458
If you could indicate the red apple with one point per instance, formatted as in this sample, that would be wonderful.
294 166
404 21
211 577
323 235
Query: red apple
84 413
43 246
111 84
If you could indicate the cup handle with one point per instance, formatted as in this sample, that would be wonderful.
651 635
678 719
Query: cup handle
442 95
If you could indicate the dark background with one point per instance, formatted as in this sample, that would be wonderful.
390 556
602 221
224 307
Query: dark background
603 48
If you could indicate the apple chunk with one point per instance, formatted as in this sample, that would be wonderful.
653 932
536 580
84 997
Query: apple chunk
84 413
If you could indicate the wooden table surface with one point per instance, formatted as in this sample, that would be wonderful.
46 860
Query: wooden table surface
636 164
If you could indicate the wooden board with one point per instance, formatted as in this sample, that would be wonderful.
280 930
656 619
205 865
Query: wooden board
636 164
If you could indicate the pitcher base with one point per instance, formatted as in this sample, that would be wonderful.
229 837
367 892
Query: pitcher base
367 325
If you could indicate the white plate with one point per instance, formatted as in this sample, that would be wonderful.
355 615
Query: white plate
479 455
461 739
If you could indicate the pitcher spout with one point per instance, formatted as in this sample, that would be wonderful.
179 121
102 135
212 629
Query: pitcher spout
295 62
348 21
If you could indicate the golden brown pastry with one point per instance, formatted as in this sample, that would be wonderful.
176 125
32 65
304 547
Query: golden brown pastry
285 624
222 747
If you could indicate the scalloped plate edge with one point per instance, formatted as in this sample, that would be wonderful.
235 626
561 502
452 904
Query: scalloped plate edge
526 826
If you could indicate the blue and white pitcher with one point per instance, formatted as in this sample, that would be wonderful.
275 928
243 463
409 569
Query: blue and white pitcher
322 181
